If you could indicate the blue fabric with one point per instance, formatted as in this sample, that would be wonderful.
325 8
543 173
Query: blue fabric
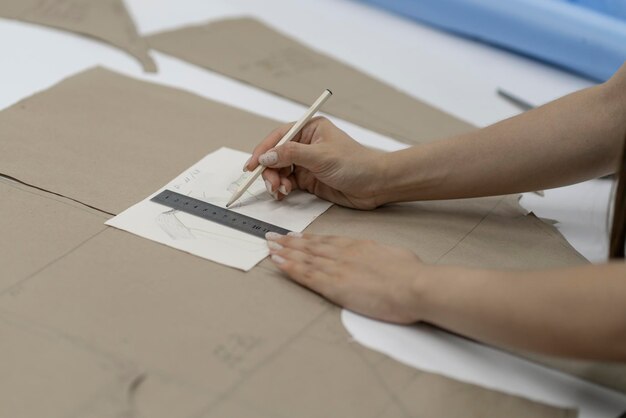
615 8
560 32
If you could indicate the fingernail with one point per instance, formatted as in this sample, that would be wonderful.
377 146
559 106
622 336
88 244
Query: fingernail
272 236
274 245
277 259
283 190
275 195
268 186
269 158
245 166
295 234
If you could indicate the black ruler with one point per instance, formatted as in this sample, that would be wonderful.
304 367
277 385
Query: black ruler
216 214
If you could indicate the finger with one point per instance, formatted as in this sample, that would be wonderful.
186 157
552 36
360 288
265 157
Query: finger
285 186
333 240
322 245
305 180
310 131
267 143
278 187
312 272
330 242
292 180
286 171
272 180
307 156
307 135
307 246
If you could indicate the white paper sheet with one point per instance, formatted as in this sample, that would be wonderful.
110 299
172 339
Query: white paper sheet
427 348
213 179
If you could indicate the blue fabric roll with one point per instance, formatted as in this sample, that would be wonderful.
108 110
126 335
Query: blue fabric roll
615 8
585 41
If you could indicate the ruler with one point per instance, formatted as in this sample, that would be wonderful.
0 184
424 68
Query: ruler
216 214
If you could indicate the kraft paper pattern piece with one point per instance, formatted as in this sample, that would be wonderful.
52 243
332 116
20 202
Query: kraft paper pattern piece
250 51
214 179
107 20
59 226
169 334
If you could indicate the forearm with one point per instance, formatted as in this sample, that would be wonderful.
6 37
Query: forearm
578 312
569 140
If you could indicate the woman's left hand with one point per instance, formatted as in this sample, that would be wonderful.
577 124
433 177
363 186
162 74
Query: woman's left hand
375 280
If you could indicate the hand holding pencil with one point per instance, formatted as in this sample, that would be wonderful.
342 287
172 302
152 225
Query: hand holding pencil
293 131
320 159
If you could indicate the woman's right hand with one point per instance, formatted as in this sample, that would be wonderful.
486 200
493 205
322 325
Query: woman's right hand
323 160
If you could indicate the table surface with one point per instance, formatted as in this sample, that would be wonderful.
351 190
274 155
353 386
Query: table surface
456 75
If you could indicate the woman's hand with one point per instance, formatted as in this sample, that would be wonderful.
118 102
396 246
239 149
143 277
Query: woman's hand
366 277
552 311
323 160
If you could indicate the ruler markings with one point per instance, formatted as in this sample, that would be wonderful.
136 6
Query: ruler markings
216 214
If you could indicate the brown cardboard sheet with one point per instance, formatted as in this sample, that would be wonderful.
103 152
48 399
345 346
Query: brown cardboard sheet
115 140
233 344
52 226
46 373
250 51
106 20
64 375
201 339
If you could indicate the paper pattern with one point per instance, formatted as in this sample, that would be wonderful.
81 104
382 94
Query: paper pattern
213 179
250 51
107 20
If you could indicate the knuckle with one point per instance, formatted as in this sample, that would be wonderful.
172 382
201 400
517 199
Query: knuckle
309 260
355 245
323 120
349 252
291 246
278 132
327 239
307 246
368 243
287 242
289 151
295 150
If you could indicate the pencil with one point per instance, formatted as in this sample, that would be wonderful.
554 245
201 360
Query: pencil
288 137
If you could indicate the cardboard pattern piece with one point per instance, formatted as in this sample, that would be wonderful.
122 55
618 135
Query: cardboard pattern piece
248 50
158 332
107 20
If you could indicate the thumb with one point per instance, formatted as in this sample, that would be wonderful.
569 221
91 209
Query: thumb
304 155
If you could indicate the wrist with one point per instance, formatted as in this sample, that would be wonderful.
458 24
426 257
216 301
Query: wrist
407 175
441 291
425 287
388 179
381 163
